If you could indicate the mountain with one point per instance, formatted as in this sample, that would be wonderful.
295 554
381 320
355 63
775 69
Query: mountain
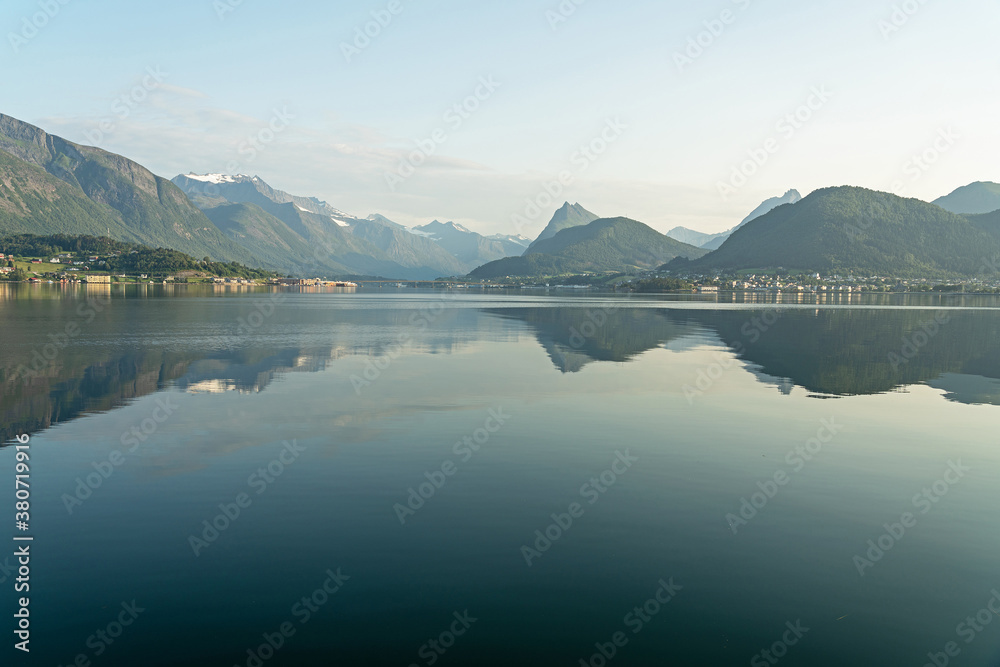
988 222
286 231
417 253
691 237
569 215
51 185
271 240
514 244
714 241
375 217
610 244
790 197
850 229
470 248
213 188
980 197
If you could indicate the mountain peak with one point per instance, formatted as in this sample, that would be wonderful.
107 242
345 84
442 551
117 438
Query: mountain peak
604 245
975 198
221 178
568 215
437 225
849 229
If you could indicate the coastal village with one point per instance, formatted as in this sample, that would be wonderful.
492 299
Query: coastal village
92 269
70 268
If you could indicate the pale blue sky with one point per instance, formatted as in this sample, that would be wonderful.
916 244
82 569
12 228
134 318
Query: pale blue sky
222 78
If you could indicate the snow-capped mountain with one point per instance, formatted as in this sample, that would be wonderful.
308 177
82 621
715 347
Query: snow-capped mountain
273 221
287 230
242 188
468 246
512 241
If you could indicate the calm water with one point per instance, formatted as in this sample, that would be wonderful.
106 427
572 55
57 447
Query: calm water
732 458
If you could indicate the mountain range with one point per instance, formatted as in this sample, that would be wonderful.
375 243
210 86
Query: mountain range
855 230
715 241
469 247
49 185
286 228
604 245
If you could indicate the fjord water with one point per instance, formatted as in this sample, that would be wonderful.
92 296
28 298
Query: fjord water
326 409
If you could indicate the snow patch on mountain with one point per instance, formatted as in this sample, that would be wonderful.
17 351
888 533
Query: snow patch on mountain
215 178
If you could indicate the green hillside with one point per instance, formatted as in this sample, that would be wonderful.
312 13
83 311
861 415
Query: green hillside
34 201
611 244
569 215
49 185
988 222
972 199
850 229
269 239
118 256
